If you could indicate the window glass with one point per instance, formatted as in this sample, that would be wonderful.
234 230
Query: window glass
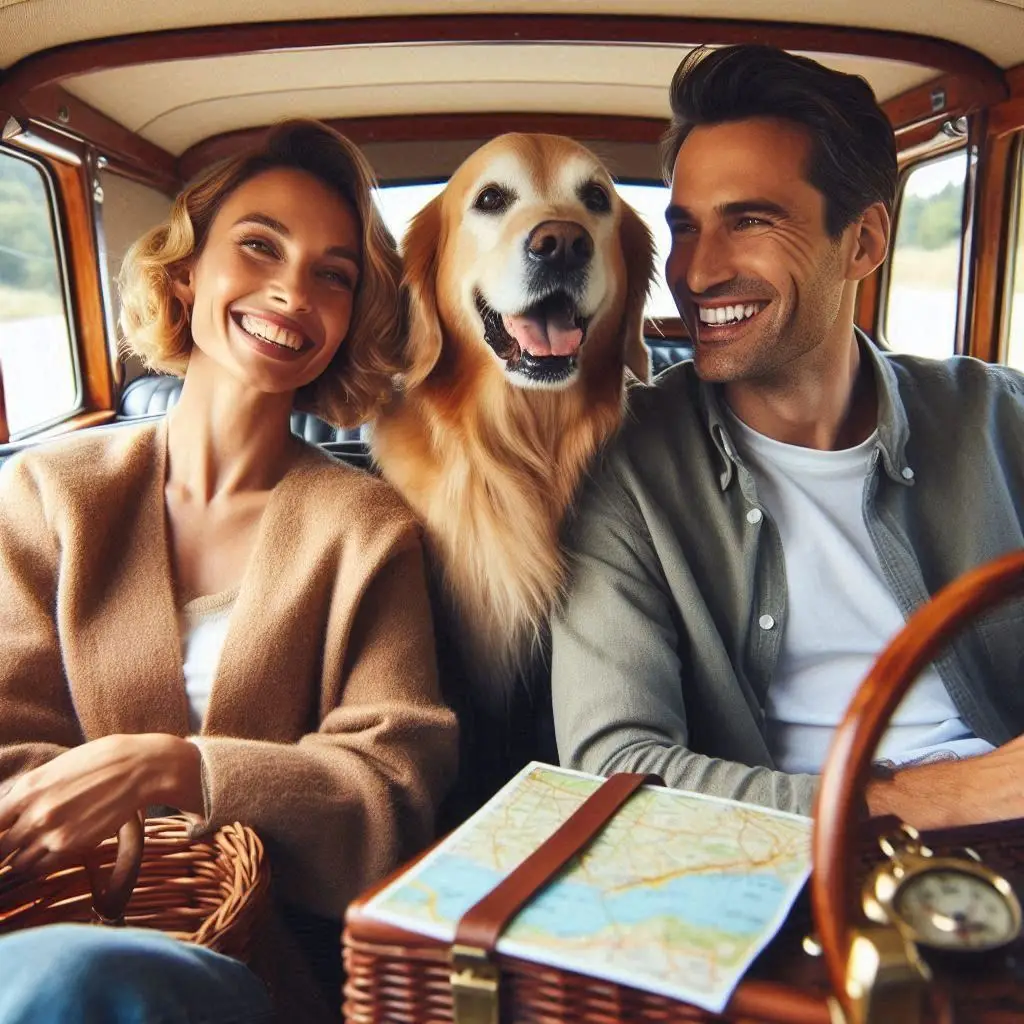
37 359
651 202
924 272
399 203
1015 298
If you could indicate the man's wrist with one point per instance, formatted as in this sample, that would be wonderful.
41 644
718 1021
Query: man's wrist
880 795
927 796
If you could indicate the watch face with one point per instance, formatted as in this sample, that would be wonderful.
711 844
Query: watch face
951 909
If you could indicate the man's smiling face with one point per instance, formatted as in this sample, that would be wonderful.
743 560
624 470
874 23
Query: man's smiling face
757 278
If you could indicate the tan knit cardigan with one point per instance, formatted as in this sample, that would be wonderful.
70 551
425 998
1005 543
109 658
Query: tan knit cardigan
325 729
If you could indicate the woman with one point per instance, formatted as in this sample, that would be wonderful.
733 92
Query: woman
209 614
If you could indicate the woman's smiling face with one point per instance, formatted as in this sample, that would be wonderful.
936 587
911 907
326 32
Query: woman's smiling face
271 292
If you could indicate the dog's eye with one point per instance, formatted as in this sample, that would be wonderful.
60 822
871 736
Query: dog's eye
493 199
595 197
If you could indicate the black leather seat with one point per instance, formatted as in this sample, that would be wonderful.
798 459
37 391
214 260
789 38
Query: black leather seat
665 354
153 395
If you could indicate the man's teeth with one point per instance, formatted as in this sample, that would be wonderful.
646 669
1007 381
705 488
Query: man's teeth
727 314
266 331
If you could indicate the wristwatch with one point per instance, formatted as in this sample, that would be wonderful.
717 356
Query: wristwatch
950 904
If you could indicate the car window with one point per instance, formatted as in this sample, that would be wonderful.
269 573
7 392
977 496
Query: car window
37 358
1015 294
651 202
924 272
400 203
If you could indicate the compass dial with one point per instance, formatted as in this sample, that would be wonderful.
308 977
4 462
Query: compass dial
950 909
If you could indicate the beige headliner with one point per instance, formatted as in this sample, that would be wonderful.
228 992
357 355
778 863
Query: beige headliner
178 103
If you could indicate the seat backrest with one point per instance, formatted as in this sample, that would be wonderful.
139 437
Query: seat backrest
353 451
667 353
152 395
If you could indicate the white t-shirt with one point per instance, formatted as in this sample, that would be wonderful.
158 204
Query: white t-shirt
203 624
840 614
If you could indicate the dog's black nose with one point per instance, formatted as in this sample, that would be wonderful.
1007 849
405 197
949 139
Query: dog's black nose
560 243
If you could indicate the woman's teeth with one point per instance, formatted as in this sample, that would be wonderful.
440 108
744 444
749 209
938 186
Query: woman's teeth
728 314
266 331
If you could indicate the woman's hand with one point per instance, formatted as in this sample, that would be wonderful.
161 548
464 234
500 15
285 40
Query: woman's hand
55 813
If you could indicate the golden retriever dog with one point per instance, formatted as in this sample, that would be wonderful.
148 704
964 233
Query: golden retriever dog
526 279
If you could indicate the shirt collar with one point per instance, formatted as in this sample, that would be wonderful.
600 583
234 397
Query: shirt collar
893 429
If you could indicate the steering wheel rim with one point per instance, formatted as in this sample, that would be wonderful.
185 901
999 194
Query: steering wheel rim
848 763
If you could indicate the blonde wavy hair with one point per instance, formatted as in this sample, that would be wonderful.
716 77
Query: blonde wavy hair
155 322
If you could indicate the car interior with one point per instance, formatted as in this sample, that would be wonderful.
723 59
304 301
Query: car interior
108 109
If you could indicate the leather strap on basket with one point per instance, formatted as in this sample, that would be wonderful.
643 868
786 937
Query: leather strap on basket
110 895
481 926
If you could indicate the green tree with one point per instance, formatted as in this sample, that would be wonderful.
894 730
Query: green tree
931 222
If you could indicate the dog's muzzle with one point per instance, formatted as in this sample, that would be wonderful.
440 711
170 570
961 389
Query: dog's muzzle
541 343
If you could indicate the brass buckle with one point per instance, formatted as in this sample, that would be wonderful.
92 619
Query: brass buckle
474 979
886 980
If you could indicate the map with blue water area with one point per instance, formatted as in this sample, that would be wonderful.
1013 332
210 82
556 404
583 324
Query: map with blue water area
677 895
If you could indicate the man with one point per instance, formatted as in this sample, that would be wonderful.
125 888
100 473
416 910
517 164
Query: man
774 509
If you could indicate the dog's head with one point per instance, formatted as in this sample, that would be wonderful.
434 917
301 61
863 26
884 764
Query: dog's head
531 255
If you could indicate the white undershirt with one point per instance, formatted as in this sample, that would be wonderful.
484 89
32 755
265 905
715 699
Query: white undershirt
203 624
840 614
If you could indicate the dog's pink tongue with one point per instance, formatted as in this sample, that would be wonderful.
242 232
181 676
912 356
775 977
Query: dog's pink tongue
552 335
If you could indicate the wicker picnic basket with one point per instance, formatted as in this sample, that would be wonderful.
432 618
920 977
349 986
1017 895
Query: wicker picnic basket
209 891
397 977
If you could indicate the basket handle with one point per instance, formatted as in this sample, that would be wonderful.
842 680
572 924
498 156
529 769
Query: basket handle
110 895
845 774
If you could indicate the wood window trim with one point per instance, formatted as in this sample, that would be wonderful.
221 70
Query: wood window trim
137 158
1008 117
973 246
992 236
67 161
81 420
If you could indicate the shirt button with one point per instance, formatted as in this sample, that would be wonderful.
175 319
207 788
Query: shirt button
766 622
907 473
754 516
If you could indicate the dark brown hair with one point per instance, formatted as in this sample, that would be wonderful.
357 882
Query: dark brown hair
853 147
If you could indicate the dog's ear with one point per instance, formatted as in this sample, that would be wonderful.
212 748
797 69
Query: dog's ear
638 252
420 250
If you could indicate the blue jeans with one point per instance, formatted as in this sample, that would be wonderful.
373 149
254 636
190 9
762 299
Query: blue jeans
86 974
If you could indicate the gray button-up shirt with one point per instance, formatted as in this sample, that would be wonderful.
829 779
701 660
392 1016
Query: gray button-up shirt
669 638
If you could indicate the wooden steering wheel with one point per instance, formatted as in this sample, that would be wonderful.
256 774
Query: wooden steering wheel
849 759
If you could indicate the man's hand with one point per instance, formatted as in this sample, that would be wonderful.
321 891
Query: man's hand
950 793
65 808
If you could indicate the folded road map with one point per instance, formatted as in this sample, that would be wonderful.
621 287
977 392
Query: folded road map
676 896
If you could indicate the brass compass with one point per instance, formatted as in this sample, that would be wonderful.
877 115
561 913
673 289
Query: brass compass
949 904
